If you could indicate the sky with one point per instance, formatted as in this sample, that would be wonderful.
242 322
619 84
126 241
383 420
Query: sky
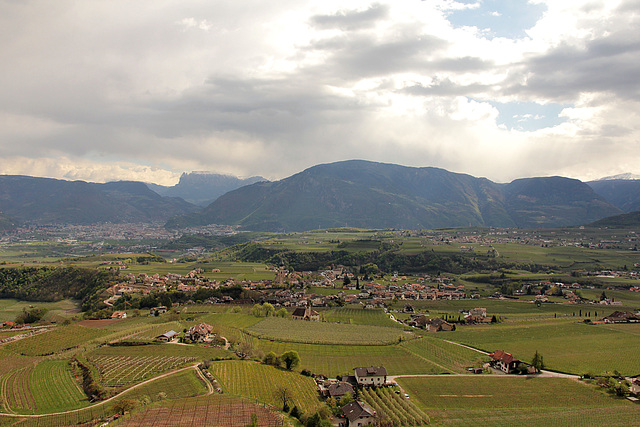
103 90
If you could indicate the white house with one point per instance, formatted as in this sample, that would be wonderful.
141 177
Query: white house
372 375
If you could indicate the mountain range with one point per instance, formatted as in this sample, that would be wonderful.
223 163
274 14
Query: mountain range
202 188
26 199
378 195
350 193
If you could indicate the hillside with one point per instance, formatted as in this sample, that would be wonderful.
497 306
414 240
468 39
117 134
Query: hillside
627 220
202 188
377 195
622 193
45 201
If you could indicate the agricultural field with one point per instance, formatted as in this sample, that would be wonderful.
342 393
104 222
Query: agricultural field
10 308
332 360
177 386
513 401
122 371
199 351
395 407
559 341
259 382
356 314
215 411
57 340
288 330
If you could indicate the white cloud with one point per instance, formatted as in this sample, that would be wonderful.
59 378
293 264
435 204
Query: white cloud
115 89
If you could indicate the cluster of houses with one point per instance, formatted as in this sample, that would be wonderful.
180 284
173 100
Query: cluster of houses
202 333
473 316
357 413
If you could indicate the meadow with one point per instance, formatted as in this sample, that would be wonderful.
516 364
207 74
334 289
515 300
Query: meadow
566 344
288 330
520 401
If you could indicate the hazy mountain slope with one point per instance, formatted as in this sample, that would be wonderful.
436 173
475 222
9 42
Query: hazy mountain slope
46 201
359 194
622 193
554 202
368 194
202 188
627 220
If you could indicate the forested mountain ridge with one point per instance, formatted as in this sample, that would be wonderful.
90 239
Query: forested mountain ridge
366 194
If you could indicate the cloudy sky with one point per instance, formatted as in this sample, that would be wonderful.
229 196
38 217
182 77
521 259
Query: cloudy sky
146 89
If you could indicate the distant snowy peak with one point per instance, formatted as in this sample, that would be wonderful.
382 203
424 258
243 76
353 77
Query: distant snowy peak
623 176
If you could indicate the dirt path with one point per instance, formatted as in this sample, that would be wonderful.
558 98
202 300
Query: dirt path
102 402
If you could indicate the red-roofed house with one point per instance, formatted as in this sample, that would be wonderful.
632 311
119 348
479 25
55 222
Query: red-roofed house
504 361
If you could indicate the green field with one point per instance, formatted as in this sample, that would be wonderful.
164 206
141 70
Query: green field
357 314
58 339
395 407
288 330
566 345
499 401
260 382
10 308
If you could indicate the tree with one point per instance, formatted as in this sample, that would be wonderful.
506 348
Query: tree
268 309
283 312
284 395
271 359
290 359
125 405
537 361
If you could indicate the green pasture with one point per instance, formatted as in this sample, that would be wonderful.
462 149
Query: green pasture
288 330
500 401
259 382
356 314
566 344
10 308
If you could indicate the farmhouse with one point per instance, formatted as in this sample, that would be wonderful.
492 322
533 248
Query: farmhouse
437 325
305 314
167 336
157 310
635 386
339 389
200 333
504 361
359 414
620 317
372 375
